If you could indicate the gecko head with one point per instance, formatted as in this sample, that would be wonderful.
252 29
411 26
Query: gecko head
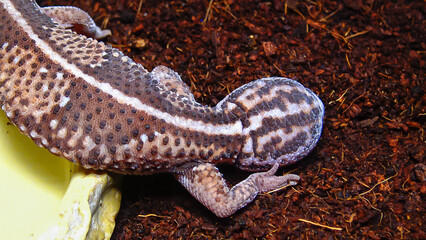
281 122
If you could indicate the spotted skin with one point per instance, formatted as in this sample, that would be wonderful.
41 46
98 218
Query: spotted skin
85 101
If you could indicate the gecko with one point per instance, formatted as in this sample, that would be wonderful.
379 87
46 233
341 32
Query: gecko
87 102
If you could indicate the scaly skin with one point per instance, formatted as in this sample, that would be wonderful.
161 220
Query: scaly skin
87 102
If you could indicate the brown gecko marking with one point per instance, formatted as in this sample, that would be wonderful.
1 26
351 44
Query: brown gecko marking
87 102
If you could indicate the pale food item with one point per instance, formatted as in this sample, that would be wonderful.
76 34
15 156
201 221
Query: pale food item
40 192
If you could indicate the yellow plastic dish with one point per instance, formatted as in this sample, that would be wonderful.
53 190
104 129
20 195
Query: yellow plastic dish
46 197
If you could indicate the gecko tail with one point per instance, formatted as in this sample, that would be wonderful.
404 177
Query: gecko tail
281 121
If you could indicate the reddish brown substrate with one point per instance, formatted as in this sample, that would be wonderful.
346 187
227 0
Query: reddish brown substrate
366 179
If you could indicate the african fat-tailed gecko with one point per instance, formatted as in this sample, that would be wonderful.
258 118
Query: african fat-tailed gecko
87 102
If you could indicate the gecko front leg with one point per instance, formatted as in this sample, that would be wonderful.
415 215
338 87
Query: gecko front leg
206 184
72 17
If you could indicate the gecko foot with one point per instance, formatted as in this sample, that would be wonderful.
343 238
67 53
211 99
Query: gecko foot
267 181
77 19
206 184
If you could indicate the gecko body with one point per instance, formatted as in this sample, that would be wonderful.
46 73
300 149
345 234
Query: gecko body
85 101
